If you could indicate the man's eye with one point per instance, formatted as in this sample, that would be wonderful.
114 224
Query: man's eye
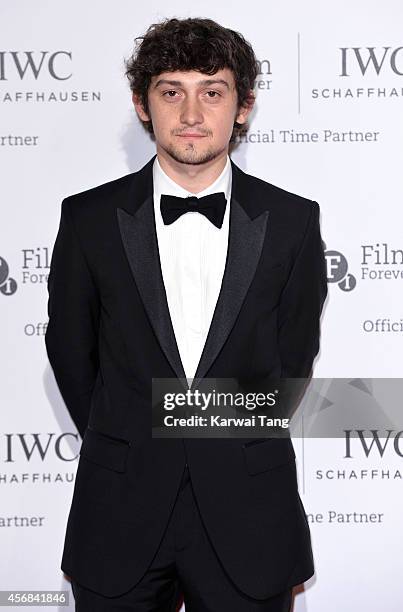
215 94
171 91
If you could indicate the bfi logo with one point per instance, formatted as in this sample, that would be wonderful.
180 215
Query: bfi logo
337 271
8 285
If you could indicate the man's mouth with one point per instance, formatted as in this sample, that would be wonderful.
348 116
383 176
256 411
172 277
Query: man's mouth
191 135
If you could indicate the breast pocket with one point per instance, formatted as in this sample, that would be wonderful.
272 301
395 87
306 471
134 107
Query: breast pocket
270 278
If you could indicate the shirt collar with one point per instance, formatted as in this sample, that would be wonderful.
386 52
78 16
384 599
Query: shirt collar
164 184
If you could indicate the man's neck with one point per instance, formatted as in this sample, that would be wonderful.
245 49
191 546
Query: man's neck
192 177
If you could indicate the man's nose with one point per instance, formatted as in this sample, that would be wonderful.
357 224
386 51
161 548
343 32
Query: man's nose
191 112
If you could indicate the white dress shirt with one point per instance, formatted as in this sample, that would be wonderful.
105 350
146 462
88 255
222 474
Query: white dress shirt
193 253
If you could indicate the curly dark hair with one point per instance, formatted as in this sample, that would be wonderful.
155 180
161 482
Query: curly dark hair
191 44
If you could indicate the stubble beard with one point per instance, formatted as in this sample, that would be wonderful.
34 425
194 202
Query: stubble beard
190 155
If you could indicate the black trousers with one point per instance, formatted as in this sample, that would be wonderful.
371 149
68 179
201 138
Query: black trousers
184 567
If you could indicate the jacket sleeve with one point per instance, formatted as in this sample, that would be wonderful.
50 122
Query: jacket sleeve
301 303
72 333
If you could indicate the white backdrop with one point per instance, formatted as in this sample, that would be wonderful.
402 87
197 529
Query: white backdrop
327 125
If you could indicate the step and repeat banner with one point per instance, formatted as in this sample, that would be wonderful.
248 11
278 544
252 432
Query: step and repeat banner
327 125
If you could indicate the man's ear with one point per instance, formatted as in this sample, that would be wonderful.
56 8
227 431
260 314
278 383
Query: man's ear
138 105
246 109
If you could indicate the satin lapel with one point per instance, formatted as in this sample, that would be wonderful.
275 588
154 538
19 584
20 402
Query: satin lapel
245 244
141 245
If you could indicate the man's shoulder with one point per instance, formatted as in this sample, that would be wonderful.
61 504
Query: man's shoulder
101 201
276 199
105 194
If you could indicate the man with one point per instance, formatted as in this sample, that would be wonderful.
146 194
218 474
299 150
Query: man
147 284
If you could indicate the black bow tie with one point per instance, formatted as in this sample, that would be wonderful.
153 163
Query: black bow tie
212 206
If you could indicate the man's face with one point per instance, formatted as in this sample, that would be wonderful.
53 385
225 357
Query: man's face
193 114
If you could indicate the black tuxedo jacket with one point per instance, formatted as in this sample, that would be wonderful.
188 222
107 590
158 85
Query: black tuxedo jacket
110 332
